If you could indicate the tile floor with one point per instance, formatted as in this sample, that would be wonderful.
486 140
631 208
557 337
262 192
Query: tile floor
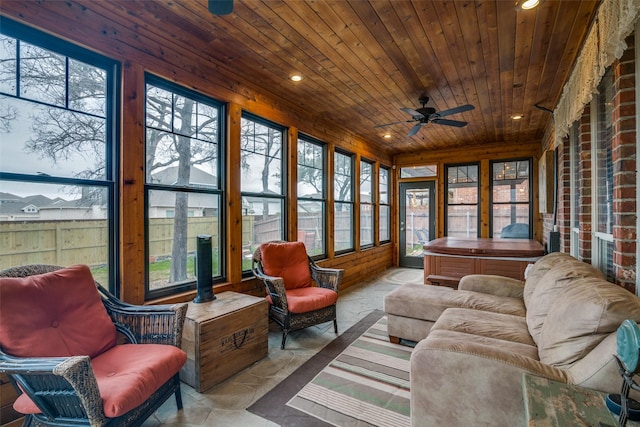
224 405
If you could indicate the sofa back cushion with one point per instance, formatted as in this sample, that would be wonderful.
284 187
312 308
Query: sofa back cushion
585 313
57 314
538 270
550 287
288 260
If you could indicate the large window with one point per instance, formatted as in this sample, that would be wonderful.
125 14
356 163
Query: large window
366 204
384 195
57 153
262 184
602 209
183 184
511 199
312 199
462 203
343 202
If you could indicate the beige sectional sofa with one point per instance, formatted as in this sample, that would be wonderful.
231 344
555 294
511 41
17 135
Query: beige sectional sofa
475 343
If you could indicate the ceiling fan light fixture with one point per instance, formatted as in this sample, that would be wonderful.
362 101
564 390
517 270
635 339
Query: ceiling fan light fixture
527 4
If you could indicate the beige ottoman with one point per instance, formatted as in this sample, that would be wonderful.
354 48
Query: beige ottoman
412 309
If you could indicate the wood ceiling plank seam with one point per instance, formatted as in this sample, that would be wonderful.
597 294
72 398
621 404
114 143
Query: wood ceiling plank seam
369 76
487 14
372 53
471 34
298 25
506 51
426 61
524 36
545 19
568 51
243 29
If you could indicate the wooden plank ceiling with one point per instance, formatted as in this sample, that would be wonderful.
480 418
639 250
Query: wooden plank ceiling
364 60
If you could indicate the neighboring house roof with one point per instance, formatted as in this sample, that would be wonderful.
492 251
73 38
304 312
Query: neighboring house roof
196 177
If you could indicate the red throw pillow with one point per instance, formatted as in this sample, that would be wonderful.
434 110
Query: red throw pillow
287 260
57 314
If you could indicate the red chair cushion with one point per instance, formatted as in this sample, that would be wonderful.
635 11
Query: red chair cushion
127 375
287 260
303 300
54 314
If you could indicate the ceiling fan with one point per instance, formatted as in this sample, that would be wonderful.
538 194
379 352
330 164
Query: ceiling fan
220 7
424 115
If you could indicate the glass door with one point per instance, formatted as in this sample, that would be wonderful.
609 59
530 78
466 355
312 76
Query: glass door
417 220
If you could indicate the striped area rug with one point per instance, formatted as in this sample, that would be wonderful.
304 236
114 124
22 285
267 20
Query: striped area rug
359 379
368 384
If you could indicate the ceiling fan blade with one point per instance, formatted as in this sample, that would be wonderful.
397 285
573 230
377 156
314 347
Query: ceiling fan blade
413 113
415 129
448 122
394 123
220 7
456 110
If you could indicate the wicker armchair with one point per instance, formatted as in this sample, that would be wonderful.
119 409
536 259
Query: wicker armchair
68 390
288 274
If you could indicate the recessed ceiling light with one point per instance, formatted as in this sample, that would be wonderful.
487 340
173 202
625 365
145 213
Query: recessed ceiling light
527 4
387 136
296 77
517 116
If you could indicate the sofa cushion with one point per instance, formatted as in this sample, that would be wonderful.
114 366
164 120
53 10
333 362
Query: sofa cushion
288 260
55 309
553 283
127 375
500 326
538 270
584 314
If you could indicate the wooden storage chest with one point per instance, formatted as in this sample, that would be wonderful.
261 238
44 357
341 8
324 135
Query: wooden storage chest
222 337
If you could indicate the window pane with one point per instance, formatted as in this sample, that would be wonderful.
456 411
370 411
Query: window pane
385 223
42 74
366 225
311 226
261 158
175 220
87 88
366 182
505 214
261 222
419 171
343 173
603 155
310 170
384 185
56 225
343 226
462 221
8 66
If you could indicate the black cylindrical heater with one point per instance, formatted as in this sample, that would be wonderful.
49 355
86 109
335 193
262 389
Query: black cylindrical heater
204 270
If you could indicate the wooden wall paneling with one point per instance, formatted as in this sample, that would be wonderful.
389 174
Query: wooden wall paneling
292 184
132 179
234 198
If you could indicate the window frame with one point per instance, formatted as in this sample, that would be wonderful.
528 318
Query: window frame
478 195
109 182
283 196
382 204
218 191
371 204
350 202
322 200
574 196
492 185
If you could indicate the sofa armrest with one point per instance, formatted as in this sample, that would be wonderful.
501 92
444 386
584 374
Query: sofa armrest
460 382
493 285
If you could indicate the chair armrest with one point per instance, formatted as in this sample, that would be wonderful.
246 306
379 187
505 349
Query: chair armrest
493 285
57 382
147 324
329 278
275 289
